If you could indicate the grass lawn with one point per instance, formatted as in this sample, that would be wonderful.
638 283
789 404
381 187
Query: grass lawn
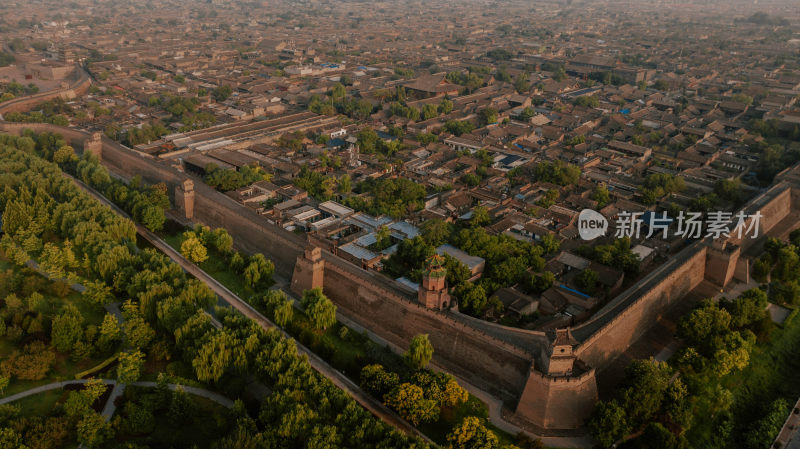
41 404
64 368
217 267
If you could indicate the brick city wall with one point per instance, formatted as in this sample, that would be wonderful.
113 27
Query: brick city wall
776 209
615 337
23 104
485 361
774 205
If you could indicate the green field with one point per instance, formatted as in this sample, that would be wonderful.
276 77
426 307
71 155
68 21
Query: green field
40 404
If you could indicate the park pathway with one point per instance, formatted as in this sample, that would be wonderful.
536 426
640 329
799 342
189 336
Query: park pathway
119 388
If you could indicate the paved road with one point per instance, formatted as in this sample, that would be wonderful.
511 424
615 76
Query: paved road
336 377
216 397
111 402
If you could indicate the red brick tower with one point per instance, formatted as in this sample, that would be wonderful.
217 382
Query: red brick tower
308 271
433 292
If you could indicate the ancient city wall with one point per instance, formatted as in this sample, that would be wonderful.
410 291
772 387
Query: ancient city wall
483 360
22 104
776 209
774 205
795 199
611 340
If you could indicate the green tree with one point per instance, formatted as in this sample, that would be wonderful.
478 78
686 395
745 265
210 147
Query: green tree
763 431
375 379
601 195
222 93
214 357
440 387
549 244
522 83
656 436
258 272
538 283
704 322
93 430
152 217
4 381
480 217
129 367
457 272
284 312
79 402
557 172
109 333
589 101
64 154
445 106
138 332
608 423
320 310
471 179
645 386
420 351
488 116
458 127
383 238
436 232
429 111
410 403
749 308
221 241
587 281
345 184
193 249
472 434
471 298
67 328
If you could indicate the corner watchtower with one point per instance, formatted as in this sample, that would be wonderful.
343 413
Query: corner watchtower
558 358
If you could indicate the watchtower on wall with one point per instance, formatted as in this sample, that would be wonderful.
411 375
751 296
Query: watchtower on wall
721 260
563 392
184 198
94 145
558 358
308 271
433 292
